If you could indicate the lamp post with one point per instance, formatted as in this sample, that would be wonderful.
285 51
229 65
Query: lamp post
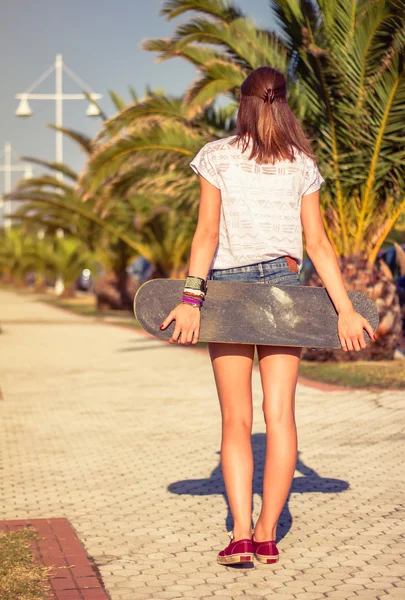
7 167
24 109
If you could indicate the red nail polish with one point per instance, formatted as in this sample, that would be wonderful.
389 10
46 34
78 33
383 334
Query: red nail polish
162 327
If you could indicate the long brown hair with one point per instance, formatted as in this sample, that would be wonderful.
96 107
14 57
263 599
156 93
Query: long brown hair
265 119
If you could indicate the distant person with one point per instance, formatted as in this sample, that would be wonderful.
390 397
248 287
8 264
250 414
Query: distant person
140 268
258 187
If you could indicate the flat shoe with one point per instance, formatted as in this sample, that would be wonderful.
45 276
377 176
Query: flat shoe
265 552
240 551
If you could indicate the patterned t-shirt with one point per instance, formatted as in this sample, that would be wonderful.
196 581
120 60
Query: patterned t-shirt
260 204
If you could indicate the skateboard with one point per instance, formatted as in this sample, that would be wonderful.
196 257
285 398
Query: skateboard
252 313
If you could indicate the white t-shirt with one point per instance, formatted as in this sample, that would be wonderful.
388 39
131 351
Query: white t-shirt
260 204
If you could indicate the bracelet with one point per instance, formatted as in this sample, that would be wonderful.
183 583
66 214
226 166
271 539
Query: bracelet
193 305
197 293
194 292
196 283
193 301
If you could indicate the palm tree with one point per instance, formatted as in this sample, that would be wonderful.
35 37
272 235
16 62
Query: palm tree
14 249
344 65
48 204
129 204
140 162
69 257
55 258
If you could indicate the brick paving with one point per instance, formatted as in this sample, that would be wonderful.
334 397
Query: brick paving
72 576
120 434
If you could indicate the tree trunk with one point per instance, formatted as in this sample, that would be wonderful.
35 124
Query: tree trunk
376 283
122 287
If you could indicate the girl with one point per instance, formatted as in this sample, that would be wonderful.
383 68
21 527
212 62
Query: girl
259 189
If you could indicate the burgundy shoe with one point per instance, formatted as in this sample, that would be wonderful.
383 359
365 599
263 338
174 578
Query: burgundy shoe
265 552
240 551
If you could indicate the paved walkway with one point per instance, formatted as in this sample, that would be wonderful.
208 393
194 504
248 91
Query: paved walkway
120 434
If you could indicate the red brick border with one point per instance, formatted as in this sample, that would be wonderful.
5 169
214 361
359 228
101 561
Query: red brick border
73 576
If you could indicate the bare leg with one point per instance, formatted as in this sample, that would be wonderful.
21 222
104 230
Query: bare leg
279 372
232 365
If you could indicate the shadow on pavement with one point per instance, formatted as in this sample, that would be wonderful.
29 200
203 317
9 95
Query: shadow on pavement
310 482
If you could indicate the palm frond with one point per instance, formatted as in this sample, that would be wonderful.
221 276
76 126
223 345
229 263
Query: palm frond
220 9
102 114
133 94
60 167
83 140
117 100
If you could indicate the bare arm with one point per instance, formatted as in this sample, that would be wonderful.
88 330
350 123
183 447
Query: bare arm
206 235
322 254
203 246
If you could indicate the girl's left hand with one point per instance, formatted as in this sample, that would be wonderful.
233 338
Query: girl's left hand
350 330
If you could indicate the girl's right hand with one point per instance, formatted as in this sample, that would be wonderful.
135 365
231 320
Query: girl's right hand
187 324
350 330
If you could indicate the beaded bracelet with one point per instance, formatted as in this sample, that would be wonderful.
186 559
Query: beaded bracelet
193 298
191 302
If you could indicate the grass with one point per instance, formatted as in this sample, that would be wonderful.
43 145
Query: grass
388 374
21 578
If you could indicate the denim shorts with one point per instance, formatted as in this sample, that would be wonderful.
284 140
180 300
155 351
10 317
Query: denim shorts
278 270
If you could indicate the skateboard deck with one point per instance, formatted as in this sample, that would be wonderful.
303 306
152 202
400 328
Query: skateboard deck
252 313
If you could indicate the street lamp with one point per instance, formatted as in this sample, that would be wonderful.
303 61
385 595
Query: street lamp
24 109
8 167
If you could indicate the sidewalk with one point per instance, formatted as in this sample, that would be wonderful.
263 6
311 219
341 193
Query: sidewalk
120 434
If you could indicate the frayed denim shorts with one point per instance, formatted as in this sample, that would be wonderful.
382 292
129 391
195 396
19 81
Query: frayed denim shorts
283 270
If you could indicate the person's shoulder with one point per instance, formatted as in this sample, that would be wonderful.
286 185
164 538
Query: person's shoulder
300 157
304 159
217 145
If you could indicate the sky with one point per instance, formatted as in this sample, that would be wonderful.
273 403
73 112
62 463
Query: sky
100 42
